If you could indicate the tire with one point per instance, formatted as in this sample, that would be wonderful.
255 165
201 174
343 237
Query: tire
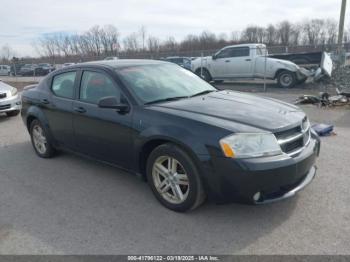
205 74
12 113
191 188
286 79
46 151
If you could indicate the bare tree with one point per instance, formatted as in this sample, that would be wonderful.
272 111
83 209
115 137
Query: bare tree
153 44
131 42
110 39
284 32
271 35
6 52
143 35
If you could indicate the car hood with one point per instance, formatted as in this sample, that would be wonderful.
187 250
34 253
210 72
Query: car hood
258 112
5 87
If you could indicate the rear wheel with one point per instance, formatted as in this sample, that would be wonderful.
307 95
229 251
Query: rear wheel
174 178
41 142
12 113
286 79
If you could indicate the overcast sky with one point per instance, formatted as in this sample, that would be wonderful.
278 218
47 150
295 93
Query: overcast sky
23 21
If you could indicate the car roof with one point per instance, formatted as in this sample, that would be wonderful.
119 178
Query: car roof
246 45
124 63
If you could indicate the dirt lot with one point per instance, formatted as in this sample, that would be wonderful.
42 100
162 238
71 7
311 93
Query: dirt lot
71 205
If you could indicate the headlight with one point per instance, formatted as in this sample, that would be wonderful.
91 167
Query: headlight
13 91
245 145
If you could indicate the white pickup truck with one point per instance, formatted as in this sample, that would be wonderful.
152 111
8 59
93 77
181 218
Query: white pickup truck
248 61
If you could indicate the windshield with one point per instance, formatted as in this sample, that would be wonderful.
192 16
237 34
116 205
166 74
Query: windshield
160 82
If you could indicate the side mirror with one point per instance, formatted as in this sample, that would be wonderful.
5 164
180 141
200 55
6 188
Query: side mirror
213 57
112 102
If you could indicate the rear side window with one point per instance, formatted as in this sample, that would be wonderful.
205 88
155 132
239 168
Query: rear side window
63 85
95 85
239 52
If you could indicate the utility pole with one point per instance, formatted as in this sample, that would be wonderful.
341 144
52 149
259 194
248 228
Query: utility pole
341 27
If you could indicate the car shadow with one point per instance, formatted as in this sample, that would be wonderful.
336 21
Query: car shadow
72 205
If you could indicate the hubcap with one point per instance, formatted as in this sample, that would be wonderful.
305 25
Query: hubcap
286 80
170 179
39 139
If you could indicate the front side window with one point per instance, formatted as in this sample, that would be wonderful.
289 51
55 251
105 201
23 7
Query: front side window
164 81
63 84
95 85
224 53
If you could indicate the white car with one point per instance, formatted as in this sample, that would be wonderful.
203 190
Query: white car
10 101
5 70
248 61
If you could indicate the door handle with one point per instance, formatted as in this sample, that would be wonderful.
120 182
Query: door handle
248 59
227 61
80 109
45 101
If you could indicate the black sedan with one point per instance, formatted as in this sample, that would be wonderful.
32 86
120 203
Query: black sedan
162 122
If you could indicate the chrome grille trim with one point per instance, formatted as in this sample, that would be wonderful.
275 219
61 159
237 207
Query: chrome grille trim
301 134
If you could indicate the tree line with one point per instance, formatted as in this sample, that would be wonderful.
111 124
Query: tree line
101 41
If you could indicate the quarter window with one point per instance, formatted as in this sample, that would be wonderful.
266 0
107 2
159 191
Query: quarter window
95 85
63 84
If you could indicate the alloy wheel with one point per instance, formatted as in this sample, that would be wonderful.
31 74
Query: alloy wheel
170 179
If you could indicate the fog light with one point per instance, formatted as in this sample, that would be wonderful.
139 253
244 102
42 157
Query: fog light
256 196
18 103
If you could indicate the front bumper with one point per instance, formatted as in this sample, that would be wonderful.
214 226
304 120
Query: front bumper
12 103
271 178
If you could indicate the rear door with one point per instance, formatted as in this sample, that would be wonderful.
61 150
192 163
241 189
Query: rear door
57 106
101 132
240 63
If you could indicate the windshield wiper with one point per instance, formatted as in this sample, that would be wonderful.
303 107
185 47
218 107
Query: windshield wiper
166 99
203 93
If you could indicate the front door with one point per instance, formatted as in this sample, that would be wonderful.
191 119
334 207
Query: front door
100 132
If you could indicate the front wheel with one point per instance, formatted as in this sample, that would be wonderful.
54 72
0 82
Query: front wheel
174 178
286 79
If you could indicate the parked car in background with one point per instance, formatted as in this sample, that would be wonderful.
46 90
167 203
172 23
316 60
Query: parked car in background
5 70
29 70
10 101
67 64
186 138
185 62
247 61
44 69
15 68
111 58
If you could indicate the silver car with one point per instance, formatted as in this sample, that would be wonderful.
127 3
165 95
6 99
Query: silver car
10 101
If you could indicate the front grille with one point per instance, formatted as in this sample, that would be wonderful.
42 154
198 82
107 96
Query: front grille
293 140
2 95
3 107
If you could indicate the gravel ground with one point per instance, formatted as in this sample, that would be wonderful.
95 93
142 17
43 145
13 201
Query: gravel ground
71 205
